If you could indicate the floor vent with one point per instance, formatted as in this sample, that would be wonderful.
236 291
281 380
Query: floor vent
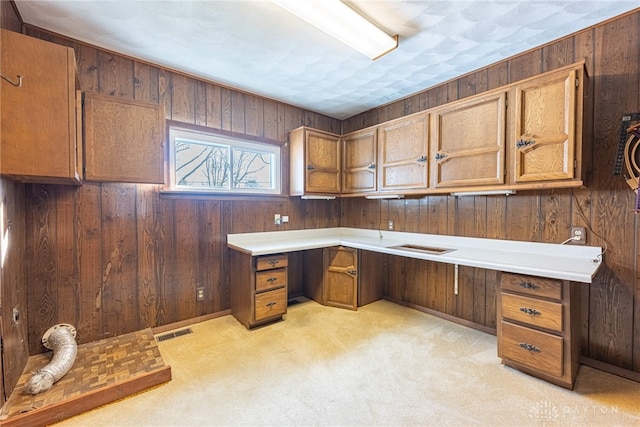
170 335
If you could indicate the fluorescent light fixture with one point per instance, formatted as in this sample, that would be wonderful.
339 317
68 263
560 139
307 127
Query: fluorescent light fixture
384 196
484 193
343 23
318 197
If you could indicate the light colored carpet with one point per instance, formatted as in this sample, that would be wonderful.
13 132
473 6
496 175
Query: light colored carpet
382 365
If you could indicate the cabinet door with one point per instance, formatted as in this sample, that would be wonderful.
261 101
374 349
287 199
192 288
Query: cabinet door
359 151
468 140
124 140
402 153
545 127
322 154
39 141
340 288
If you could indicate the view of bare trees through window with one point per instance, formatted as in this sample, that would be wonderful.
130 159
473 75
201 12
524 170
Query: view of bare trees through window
223 167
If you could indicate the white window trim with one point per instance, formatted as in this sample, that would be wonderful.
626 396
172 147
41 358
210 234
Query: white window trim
212 137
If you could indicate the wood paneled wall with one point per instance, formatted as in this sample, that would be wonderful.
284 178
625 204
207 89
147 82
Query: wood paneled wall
115 258
611 304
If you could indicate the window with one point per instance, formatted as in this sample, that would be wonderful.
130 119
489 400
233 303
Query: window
204 161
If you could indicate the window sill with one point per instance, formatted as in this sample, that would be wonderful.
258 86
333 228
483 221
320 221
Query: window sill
207 195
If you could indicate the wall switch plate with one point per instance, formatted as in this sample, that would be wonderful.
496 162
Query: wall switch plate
579 235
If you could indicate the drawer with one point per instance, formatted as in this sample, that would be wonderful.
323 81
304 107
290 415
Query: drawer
532 285
532 311
537 350
271 261
271 304
269 279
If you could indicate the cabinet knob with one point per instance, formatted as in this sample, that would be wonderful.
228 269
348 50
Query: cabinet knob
352 272
371 166
421 159
530 347
310 167
273 262
530 311
440 156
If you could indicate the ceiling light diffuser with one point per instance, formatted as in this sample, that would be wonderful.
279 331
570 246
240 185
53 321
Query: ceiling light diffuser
343 23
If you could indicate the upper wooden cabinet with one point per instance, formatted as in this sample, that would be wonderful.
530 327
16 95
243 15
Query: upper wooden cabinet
403 148
467 141
315 162
359 153
124 140
40 132
525 135
547 132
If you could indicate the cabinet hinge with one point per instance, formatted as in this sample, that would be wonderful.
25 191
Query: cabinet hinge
575 163
577 82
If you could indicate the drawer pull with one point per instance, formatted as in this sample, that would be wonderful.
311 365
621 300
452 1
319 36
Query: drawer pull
530 311
273 262
273 279
271 304
530 347
352 272
528 285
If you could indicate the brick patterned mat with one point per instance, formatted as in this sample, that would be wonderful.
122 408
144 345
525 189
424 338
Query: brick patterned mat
98 364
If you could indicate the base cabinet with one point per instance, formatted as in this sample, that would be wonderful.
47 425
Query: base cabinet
537 327
344 277
258 288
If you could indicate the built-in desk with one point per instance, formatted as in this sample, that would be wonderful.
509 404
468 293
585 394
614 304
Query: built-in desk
537 304
576 263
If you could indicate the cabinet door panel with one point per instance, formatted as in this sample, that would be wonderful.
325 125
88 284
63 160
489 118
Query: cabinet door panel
403 150
468 141
341 277
359 160
322 163
124 140
545 128
39 118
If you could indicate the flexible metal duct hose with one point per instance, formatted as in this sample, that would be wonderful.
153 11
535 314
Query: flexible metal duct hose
61 339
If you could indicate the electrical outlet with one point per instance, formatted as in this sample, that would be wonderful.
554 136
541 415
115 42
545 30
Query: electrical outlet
200 294
390 225
579 235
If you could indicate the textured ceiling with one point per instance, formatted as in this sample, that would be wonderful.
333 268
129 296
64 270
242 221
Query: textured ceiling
258 47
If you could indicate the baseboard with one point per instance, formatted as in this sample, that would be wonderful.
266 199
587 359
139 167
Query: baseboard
445 316
611 369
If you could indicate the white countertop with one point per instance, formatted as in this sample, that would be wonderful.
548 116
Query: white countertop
578 263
